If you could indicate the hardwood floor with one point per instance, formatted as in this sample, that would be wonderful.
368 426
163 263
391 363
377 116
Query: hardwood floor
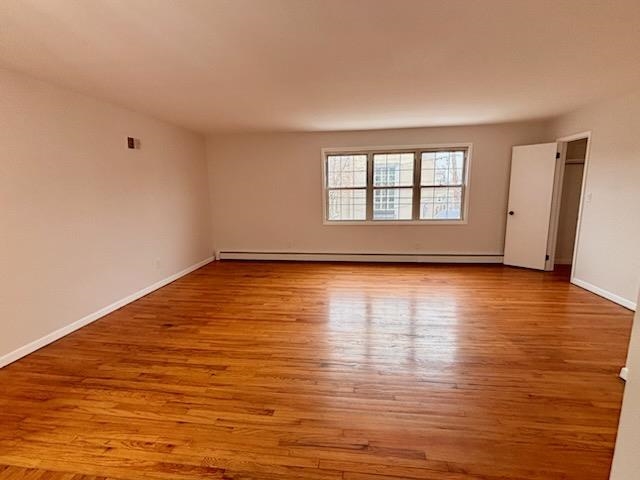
247 370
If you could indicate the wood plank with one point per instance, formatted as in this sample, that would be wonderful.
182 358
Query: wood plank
266 370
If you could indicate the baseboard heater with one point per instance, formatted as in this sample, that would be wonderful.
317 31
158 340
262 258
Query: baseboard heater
360 257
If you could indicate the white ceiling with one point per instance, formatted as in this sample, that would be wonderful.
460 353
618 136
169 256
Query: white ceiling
229 65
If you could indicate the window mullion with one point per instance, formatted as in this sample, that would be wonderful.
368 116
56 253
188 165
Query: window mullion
417 170
369 212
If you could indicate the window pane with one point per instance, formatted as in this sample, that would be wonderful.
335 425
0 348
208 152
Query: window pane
392 203
441 203
347 205
442 168
344 171
393 169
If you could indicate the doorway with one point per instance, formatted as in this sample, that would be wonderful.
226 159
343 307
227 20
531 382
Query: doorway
576 153
568 201
546 193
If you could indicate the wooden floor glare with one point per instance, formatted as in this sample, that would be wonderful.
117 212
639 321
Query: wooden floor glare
327 371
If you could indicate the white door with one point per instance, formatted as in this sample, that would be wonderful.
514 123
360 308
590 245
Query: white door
529 212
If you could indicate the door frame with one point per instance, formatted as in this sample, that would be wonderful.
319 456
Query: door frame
557 195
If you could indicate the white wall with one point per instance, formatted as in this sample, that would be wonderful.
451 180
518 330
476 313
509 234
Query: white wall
83 220
267 192
626 461
608 256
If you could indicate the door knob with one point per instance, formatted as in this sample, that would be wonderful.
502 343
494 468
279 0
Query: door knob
511 212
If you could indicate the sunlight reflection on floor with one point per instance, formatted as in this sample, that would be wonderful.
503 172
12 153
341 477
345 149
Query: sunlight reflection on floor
420 332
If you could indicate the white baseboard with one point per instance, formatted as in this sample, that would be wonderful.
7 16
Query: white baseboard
605 294
624 373
359 257
57 334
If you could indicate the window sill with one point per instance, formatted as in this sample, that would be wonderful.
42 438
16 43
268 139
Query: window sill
423 223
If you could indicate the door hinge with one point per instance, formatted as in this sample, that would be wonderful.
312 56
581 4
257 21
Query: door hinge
557 155
546 257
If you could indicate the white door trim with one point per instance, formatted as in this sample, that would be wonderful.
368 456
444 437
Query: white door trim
563 141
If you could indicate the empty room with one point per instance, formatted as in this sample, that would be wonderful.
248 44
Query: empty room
319 239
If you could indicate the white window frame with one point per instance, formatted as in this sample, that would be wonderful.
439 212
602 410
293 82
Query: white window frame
416 150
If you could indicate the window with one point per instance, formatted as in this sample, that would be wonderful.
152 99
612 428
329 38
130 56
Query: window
392 170
441 185
347 187
402 185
